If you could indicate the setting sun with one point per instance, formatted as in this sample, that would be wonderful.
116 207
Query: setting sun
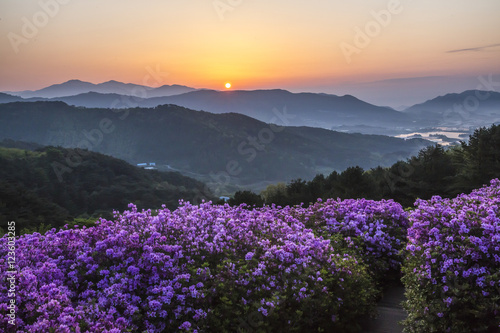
228 85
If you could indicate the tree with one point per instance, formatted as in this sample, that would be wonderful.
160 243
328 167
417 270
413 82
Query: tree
276 194
355 183
248 197
482 156
298 192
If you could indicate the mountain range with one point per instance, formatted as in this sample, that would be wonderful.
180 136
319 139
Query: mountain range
77 87
305 109
228 151
469 109
233 139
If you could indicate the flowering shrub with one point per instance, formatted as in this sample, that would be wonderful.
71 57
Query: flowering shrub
372 230
197 269
452 273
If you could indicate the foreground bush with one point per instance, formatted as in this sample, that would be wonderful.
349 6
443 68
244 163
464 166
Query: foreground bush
372 230
452 273
198 269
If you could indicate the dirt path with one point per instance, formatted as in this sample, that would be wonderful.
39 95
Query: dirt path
390 312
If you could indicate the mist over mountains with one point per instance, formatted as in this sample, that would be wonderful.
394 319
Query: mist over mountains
306 109
466 110
236 138
228 150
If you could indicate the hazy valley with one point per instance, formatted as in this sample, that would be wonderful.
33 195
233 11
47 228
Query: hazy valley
456 112
228 151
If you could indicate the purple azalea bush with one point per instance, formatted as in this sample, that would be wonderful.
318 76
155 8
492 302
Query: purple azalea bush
199 268
452 271
372 230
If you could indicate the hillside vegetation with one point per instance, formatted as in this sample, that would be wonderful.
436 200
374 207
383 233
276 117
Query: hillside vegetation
40 187
433 171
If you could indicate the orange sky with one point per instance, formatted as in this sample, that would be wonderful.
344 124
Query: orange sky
291 44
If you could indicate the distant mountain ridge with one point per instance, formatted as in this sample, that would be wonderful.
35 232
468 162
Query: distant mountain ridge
305 109
471 108
77 87
7 98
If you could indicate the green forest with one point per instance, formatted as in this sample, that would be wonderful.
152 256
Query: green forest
436 170
44 187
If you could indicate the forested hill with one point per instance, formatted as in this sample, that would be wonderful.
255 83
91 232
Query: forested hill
55 185
202 144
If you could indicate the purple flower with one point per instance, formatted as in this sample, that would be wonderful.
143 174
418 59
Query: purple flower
262 310
154 305
185 325
133 270
460 238
154 273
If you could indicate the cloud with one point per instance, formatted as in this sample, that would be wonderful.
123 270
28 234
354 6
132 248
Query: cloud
474 49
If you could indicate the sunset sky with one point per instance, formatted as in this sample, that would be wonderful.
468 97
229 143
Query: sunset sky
419 48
